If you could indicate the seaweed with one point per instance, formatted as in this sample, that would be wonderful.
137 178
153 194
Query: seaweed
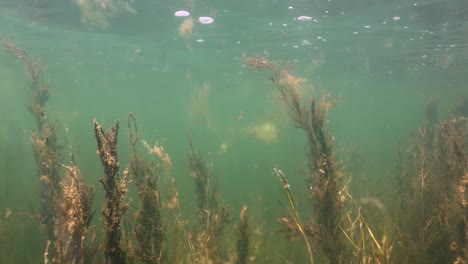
148 228
429 223
114 206
432 220
213 215
292 208
44 140
243 238
74 218
327 187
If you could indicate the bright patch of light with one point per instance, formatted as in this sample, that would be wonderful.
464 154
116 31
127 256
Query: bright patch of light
206 20
181 13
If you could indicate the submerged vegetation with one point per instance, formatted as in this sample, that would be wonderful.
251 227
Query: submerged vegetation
427 224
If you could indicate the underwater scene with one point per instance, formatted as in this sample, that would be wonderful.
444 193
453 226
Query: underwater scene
248 131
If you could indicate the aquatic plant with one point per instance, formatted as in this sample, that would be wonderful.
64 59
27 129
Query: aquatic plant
44 141
74 217
148 228
461 108
292 208
371 232
327 188
431 218
186 28
243 238
97 13
114 206
430 223
453 165
213 215
6 243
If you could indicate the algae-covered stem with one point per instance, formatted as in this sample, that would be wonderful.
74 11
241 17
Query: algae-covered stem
243 238
114 206
148 228
294 213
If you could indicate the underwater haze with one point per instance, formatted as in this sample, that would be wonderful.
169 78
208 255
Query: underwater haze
182 69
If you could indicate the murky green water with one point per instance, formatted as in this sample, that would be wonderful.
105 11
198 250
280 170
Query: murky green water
382 60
